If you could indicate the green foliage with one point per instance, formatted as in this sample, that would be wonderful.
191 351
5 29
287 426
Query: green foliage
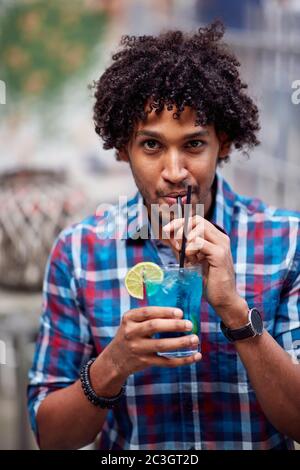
44 43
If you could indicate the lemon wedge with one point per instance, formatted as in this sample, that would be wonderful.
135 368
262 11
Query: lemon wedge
134 280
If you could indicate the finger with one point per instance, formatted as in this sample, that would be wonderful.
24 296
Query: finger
175 236
160 361
176 239
158 325
176 227
194 259
197 225
192 249
197 231
171 344
195 246
178 233
175 224
205 229
211 232
203 246
176 242
147 313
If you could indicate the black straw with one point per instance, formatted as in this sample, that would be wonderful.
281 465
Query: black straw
185 227
180 292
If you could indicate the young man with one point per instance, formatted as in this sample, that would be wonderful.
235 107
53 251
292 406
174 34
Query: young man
172 106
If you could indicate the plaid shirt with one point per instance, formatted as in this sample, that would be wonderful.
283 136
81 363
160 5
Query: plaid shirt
208 405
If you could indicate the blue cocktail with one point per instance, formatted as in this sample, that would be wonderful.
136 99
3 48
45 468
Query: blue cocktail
181 288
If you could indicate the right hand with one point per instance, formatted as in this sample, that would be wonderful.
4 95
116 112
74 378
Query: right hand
133 348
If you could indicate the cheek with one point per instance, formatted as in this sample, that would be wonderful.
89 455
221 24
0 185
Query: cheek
145 178
203 173
147 170
203 170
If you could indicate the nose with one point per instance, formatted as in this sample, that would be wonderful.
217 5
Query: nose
174 169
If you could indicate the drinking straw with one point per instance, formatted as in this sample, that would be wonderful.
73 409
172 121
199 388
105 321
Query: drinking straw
185 227
180 291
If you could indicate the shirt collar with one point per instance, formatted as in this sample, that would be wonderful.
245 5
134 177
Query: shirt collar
138 226
224 204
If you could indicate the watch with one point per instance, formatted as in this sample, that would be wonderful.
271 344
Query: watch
254 327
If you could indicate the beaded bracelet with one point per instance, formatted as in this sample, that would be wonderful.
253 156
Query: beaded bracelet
103 402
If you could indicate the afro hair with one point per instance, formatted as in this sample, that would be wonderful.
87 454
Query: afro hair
175 69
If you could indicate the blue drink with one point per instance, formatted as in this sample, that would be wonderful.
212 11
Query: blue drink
181 288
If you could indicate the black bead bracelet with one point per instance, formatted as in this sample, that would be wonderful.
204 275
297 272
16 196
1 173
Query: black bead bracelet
102 402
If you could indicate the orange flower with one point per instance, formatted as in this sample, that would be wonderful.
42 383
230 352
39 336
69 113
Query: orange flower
36 82
31 23
16 57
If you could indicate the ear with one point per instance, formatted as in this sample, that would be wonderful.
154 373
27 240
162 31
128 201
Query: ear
225 145
122 155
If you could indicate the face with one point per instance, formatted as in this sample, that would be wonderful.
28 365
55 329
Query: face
167 154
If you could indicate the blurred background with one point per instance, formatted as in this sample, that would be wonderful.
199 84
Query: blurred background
53 169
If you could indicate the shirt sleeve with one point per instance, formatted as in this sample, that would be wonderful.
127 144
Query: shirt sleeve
287 321
64 342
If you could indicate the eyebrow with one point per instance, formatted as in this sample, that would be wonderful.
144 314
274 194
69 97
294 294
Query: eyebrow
149 133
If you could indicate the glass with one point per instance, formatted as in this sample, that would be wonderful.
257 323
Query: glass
182 289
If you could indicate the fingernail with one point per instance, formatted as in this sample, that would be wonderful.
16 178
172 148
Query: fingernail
178 313
198 356
188 325
194 339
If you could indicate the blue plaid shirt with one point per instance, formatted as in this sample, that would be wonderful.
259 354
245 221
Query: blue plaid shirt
208 405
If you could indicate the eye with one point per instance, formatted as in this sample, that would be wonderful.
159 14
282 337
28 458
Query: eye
195 144
150 144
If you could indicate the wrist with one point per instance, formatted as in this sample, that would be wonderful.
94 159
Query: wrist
105 378
236 315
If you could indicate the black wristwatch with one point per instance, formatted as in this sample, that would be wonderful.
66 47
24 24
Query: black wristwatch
254 327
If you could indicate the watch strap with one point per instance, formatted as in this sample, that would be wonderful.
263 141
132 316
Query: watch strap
239 333
246 331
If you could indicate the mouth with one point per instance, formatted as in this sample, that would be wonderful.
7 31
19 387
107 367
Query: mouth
172 198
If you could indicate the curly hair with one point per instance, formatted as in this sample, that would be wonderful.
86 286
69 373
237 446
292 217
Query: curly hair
174 69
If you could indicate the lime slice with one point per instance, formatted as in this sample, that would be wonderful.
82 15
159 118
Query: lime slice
134 280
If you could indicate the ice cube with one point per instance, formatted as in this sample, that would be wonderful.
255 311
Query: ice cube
170 283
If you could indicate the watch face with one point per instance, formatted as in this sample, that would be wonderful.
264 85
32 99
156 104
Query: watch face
256 321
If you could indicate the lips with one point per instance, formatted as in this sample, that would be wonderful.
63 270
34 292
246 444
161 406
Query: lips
176 194
173 199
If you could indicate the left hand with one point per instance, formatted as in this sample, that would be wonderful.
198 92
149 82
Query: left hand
207 245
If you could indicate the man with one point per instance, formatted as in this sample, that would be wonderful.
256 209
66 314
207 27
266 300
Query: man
240 394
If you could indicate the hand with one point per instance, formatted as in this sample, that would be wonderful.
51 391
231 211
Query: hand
207 245
133 347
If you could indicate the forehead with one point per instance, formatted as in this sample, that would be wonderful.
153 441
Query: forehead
166 122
